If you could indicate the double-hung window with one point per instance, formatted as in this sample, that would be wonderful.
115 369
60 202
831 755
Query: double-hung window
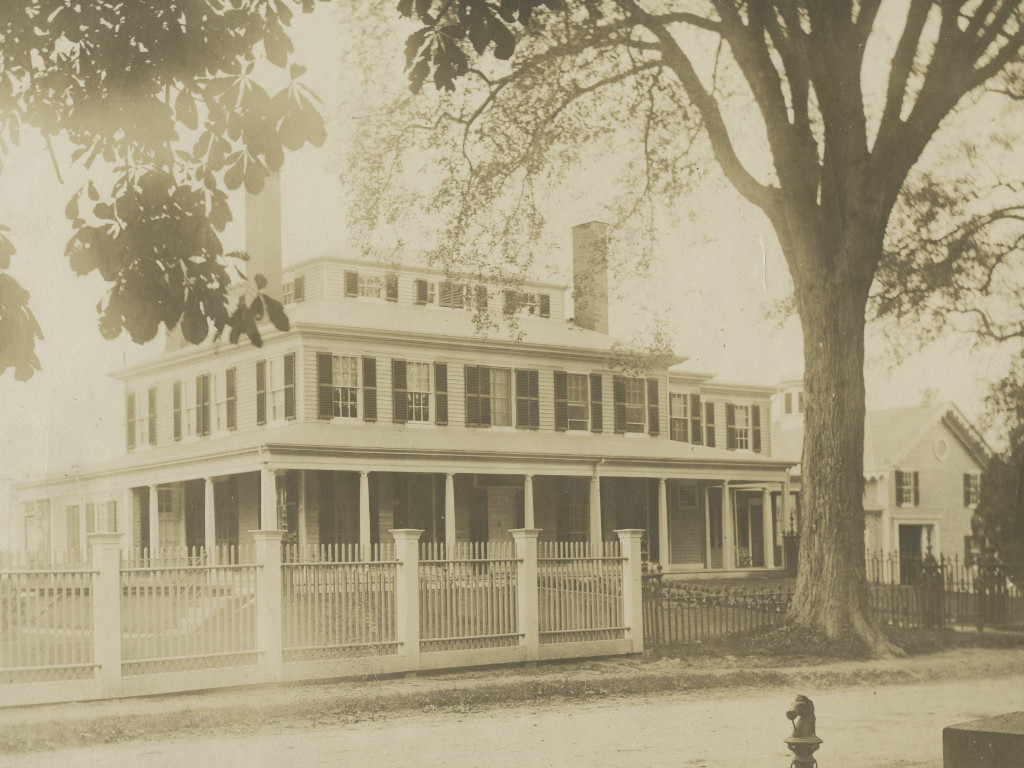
345 370
972 488
908 492
679 417
275 379
488 396
577 387
451 295
742 427
371 286
636 405
501 397
418 391
220 402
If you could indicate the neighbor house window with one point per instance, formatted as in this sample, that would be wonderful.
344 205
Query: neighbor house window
972 488
577 386
908 491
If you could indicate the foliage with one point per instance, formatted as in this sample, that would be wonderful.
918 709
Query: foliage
160 101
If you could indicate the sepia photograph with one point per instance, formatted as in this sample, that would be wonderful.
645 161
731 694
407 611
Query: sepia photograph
527 383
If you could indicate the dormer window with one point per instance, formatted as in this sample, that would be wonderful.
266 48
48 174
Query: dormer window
371 286
294 291
451 295
424 291
538 304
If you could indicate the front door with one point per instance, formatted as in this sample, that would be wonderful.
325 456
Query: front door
910 552
756 520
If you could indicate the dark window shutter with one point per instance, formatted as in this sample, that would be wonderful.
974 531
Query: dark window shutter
755 427
917 492
289 385
510 304
653 409
152 415
730 426
481 296
545 305
441 393
391 286
561 402
789 402
709 424
619 398
695 436
129 420
596 403
231 390
899 488
324 385
261 391
472 374
369 389
967 490
400 398
421 292
351 283
299 288
176 407
527 410
485 396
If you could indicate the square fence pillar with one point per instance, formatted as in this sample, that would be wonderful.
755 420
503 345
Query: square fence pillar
407 594
269 642
105 550
527 595
632 587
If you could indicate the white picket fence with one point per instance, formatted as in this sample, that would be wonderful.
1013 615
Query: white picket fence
123 625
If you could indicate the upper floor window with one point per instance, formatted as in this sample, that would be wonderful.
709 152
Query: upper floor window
743 427
788 398
908 491
635 405
451 295
424 291
224 400
418 392
538 304
275 389
972 488
338 386
578 401
371 286
294 290
345 377
488 396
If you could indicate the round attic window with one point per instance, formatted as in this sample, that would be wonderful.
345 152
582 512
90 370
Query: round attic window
941 449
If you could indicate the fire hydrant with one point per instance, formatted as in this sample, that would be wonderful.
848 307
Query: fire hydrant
803 741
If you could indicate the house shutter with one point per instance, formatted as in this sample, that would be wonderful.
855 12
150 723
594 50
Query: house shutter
917 492
289 385
755 427
596 404
351 283
129 420
481 296
619 399
299 288
709 424
399 395
485 396
472 374
369 389
203 404
730 426
509 305
152 415
527 400
441 393
967 491
231 391
653 409
324 385
421 292
261 391
176 408
899 488
545 305
391 286
695 436
561 402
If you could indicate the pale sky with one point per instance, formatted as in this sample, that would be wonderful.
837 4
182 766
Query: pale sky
712 283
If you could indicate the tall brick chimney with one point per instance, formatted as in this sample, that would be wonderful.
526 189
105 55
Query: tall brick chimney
590 275
263 234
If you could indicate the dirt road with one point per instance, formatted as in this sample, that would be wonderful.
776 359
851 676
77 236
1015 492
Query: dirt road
886 726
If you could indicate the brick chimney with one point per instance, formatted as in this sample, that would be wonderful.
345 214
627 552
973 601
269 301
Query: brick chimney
263 234
590 275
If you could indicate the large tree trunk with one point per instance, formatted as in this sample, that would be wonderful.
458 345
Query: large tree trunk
831 592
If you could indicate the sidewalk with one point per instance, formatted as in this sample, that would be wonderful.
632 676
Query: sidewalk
276 707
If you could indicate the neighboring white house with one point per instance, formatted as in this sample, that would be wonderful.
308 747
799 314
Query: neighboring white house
922 473
386 406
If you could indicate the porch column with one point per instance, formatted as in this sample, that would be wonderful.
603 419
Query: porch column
154 520
886 526
728 530
303 525
766 525
784 504
365 534
449 515
528 502
595 514
268 499
662 523
210 522
707 530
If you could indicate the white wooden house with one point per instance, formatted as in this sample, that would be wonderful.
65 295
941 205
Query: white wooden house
386 406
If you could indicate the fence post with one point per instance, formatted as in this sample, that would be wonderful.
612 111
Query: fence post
632 587
105 550
526 590
268 601
407 594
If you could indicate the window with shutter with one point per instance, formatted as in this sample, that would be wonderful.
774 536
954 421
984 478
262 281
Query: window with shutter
299 288
417 392
561 401
755 428
527 400
203 405
908 492
351 283
634 404
695 429
972 489
451 295
129 418
788 399
369 389
679 417
510 303
232 398
619 400
325 408
545 305
653 409
176 409
480 296
261 391
441 393
152 415
289 385
422 294
472 381
578 401
399 399
899 488
391 286
596 403
730 426
917 491
709 425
